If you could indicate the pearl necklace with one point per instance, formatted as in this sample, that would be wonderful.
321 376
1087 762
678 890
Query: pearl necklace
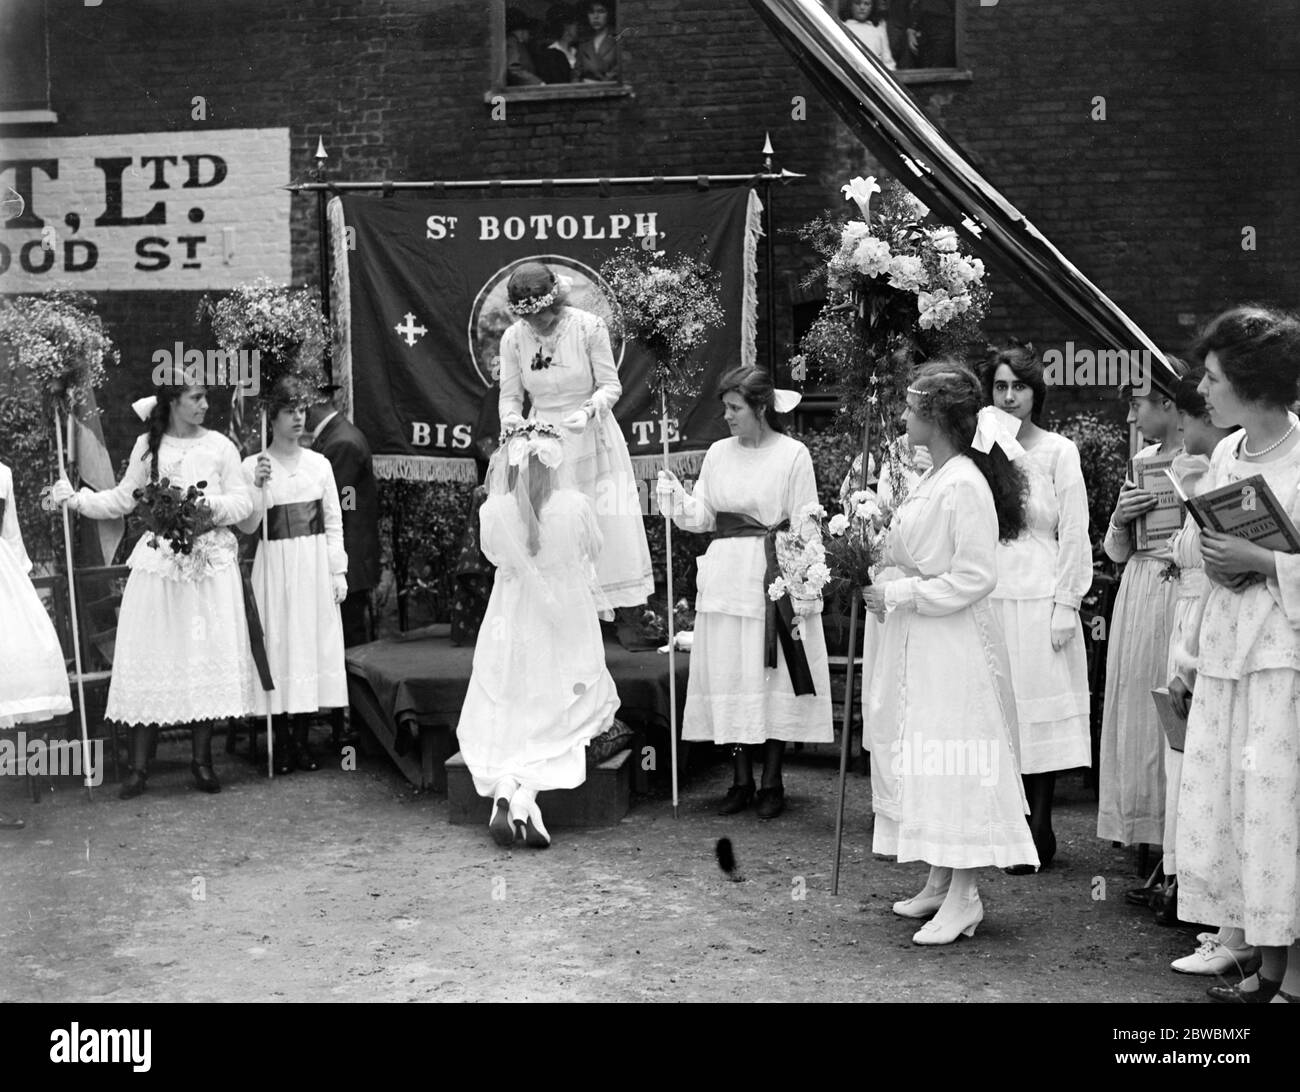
1271 447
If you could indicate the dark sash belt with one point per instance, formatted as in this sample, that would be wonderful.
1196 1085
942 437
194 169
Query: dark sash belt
297 519
256 638
778 616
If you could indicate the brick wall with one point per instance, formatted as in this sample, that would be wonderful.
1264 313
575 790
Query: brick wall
1199 139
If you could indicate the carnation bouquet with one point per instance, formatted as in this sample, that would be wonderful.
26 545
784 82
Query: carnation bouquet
853 540
58 344
801 557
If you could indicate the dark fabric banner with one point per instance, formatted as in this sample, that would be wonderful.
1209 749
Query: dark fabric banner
425 303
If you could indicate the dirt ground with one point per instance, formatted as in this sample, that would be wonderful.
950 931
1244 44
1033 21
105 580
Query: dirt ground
351 886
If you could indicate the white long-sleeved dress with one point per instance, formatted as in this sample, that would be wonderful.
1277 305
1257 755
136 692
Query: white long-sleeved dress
1238 837
33 678
182 650
292 582
1131 775
1050 563
580 372
945 782
539 691
732 695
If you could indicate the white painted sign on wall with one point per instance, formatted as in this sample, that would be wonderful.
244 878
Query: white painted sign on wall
142 211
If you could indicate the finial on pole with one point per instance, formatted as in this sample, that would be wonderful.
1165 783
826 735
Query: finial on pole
321 153
767 152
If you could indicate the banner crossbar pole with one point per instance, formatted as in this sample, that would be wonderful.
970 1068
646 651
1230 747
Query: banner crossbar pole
520 183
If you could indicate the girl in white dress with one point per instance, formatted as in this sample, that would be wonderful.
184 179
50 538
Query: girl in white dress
865 20
1238 838
1226 951
182 654
945 783
743 689
299 576
1131 777
1042 578
539 691
561 357
33 675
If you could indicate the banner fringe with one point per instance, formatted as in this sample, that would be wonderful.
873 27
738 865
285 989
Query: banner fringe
340 304
684 464
425 468
749 307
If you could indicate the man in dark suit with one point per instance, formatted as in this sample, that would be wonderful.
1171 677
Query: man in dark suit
340 441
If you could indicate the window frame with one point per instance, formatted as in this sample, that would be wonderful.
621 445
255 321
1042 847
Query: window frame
500 91
35 115
956 73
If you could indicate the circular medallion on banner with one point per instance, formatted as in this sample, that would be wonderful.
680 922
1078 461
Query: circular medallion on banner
491 316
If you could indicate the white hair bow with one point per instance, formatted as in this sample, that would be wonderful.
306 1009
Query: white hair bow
996 426
784 401
144 406
548 450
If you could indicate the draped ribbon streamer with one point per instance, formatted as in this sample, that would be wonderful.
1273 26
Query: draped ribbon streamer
256 638
297 519
784 401
778 616
144 406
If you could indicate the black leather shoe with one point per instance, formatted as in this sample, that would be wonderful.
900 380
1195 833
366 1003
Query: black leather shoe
133 786
283 762
738 798
205 778
1140 896
304 760
1020 870
1235 995
771 802
11 822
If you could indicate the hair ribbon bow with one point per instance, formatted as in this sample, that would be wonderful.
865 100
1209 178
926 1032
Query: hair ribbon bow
994 426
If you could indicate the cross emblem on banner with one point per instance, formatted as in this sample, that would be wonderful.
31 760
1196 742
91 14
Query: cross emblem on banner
408 330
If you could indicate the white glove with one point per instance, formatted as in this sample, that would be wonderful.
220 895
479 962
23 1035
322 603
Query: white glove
577 421
804 607
61 492
670 493
340 587
512 420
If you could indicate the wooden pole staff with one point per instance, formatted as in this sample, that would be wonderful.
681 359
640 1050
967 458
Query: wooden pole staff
672 629
266 603
72 606
846 729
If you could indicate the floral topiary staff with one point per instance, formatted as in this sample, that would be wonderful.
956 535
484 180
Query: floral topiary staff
900 292
59 347
668 306
285 333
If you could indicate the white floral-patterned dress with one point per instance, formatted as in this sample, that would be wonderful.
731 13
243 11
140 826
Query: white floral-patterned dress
1239 805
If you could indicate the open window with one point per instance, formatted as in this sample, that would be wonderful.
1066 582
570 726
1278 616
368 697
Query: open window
544 49
918 40
25 64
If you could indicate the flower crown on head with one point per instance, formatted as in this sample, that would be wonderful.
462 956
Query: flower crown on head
534 304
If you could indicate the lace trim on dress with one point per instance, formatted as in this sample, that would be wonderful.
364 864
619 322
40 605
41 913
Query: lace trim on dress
214 551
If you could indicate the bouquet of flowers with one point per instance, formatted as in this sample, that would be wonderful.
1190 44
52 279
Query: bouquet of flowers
801 557
853 540
530 430
172 515
668 307
899 291
58 343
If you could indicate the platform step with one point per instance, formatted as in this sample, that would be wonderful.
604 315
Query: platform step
601 801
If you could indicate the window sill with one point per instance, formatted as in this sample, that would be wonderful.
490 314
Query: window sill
934 75
28 117
555 92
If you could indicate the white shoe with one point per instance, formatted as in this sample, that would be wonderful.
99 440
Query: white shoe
499 825
526 817
1214 958
946 929
921 906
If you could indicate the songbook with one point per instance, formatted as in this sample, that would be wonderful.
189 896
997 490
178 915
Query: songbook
1174 725
1157 526
1248 509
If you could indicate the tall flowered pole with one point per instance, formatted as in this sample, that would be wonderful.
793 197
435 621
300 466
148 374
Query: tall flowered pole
72 605
672 620
266 598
